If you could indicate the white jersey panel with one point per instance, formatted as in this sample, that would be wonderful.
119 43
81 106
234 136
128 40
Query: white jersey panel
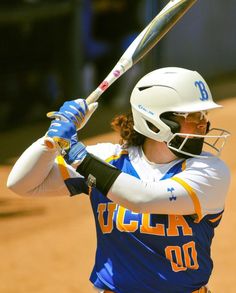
105 150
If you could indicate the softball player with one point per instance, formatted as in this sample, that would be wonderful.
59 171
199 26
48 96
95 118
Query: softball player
157 197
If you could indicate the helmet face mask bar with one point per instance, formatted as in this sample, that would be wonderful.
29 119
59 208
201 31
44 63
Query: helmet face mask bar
180 92
212 143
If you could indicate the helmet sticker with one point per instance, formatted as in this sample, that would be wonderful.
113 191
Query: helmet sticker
203 91
141 107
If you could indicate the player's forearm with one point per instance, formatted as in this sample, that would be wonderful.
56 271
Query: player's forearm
34 172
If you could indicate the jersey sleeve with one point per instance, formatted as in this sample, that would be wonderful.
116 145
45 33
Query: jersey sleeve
207 182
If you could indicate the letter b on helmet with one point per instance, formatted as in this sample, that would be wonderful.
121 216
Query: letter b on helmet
202 89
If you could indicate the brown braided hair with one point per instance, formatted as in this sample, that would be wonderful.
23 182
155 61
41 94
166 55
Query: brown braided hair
124 125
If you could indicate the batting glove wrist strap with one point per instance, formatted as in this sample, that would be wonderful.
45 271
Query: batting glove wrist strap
98 173
76 154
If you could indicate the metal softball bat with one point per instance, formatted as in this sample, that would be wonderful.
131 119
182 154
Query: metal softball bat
144 42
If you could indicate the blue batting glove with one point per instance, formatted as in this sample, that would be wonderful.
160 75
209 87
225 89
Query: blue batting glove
77 152
62 132
77 111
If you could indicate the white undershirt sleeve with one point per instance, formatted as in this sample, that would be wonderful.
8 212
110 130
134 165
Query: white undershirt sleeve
163 197
37 173
200 189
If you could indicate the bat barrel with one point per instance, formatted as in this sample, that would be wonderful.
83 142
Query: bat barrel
160 25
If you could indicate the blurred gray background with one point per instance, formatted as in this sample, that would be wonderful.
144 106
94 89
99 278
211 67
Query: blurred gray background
53 50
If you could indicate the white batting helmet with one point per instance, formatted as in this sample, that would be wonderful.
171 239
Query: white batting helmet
168 89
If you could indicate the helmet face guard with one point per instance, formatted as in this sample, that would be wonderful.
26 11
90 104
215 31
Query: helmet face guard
173 90
192 145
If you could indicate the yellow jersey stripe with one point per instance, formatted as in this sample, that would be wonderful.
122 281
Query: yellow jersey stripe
62 167
193 196
216 219
184 165
115 157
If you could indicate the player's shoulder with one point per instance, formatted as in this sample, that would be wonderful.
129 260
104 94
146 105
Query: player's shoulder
107 150
208 162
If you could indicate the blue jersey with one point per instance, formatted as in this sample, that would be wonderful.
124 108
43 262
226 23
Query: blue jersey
150 253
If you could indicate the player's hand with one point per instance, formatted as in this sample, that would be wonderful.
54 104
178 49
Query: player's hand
61 134
64 134
76 111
